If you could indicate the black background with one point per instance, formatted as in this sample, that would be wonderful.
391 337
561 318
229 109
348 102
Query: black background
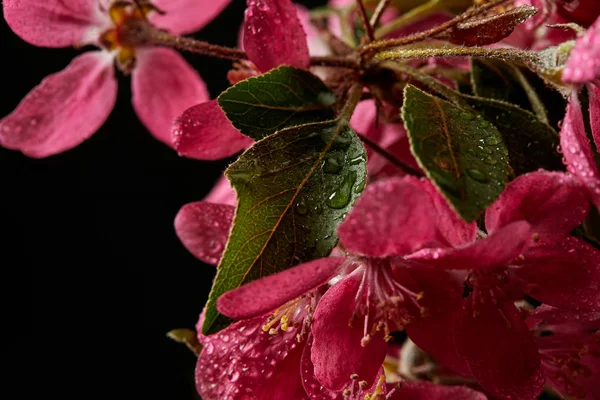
89 252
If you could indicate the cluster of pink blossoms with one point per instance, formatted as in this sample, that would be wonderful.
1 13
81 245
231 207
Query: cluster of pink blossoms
506 309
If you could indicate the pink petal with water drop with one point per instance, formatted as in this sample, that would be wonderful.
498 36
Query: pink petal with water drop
64 110
186 16
316 391
203 228
164 85
273 35
565 274
498 348
380 225
594 99
577 152
242 361
553 203
441 298
55 23
432 391
203 132
267 294
583 64
337 352
222 193
496 250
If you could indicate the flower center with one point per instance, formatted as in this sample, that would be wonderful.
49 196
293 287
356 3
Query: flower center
130 27
564 365
382 301
295 314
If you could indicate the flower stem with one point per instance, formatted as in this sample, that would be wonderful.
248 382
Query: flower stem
383 4
364 20
196 46
522 56
200 47
389 157
408 17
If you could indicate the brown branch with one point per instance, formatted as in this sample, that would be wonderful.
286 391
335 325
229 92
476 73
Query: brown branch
364 20
389 157
383 4
200 47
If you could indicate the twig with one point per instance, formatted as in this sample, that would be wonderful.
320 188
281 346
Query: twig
383 44
364 20
383 4
389 157
200 47
522 56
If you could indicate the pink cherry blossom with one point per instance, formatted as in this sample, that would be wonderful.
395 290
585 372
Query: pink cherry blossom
489 332
376 296
569 350
583 64
576 145
272 35
69 106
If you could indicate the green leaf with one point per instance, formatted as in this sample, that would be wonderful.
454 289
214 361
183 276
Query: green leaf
283 97
293 188
493 79
531 143
504 81
462 154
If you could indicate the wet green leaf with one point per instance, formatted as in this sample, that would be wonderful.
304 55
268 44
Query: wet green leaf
531 143
463 154
294 188
283 97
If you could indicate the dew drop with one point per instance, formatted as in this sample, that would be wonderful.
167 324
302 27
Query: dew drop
492 140
341 197
301 207
478 175
333 165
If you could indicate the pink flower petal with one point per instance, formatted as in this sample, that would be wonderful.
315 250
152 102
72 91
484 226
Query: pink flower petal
316 45
55 23
552 203
392 217
565 274
222 193
496 250
273 35
337 352
452 228
563 322
186 16
203 132
583 64
316 391
441 301
164 85
594 97
203 228
577 151
499 349
267 294
242 361
431 391
64 110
